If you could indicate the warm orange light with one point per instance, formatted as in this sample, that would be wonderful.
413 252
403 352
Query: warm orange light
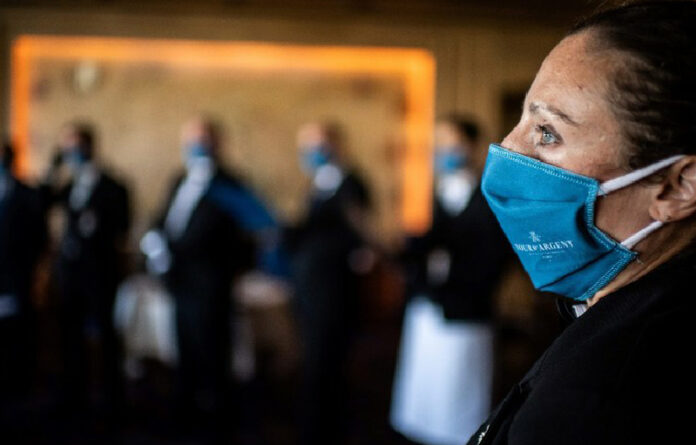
415 67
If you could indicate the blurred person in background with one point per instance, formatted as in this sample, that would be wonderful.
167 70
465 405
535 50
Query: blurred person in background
443 380
200 246
327 254
89 265
22 238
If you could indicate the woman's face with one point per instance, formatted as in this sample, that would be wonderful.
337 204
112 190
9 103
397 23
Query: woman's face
567 122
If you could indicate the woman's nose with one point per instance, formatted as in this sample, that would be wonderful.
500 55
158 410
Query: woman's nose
517 142
507 142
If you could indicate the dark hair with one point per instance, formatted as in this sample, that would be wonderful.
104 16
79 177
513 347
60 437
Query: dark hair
214 129
465 125
7 154
85 136
653 88
335 134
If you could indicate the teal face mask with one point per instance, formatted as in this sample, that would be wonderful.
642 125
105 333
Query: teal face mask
547 214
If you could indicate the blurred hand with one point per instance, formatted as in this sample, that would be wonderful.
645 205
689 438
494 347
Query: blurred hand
156 249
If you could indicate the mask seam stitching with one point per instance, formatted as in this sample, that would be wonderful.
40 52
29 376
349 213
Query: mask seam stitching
599 235
581 180
595 287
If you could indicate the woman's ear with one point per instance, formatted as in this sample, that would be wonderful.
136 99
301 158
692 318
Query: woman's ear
676 199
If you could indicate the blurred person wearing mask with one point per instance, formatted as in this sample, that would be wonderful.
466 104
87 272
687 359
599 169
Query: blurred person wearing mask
89 265
22 239
443 380
595 188
200 248
325 249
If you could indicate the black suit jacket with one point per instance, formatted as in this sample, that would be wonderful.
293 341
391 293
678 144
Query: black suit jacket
22 237
90 260
320 247
327 221
478 252
213 248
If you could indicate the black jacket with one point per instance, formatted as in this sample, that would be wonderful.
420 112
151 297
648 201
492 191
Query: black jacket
619 374
212 250
22 237
478 252
90 261
327 221
320 247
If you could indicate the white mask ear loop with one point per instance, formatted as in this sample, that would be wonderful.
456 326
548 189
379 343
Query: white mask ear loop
615 184
639 236
622 181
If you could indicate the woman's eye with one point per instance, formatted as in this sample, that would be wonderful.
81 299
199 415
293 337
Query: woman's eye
547 137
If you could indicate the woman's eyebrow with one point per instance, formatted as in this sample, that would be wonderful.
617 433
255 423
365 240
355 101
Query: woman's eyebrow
534 109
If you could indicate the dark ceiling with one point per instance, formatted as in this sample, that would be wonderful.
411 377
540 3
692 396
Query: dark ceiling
552 12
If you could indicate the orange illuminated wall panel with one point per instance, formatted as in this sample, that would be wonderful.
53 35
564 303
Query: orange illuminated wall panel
414 67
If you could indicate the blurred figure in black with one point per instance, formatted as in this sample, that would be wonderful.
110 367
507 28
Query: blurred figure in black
89 265
443 380
200 247
326 254
22 237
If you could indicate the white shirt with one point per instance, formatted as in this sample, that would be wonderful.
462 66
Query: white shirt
83 186
454 190
327 179
190 191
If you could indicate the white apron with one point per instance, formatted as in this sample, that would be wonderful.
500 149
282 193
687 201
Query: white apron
444 373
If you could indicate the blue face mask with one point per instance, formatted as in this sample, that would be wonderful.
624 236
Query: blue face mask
449 161
74 158
547 213
315 157
196 150
198 159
